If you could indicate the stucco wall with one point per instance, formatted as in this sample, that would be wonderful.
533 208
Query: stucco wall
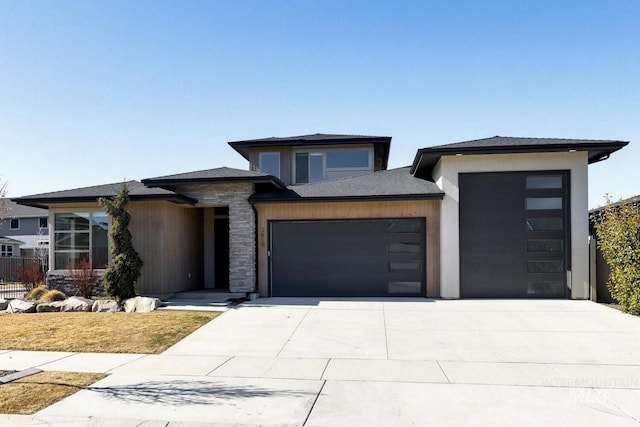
446 177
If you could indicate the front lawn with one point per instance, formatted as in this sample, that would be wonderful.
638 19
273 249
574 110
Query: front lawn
29 395
149 333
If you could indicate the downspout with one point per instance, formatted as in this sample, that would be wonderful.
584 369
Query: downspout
255 294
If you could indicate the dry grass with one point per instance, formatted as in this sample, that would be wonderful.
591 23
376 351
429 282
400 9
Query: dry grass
99 332
31 394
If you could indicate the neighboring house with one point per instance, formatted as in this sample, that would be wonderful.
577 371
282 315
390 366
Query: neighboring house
320 215
601 273
29 225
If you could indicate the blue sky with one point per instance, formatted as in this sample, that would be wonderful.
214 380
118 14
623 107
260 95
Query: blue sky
98 92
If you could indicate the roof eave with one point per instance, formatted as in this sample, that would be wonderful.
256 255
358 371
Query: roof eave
430 196
601 151
152 183
45 202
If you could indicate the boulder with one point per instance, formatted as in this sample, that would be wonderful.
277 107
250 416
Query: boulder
105 305
47 307
21 306
76 304
141 304
3 304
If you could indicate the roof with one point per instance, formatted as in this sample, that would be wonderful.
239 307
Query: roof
381 143
598 149
15 210
631 200
10 241
388 184
217 176
32 241
137 191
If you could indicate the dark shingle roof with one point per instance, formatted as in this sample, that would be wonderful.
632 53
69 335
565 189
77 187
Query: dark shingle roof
381 143
137 191
218 175
598 149
389 184
634 200
15 210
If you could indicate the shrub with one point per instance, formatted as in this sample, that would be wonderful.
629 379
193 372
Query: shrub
84 277
124 269
30 275
53 295
618 230
37 292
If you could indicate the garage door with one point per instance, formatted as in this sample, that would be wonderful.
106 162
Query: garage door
347 258
513 235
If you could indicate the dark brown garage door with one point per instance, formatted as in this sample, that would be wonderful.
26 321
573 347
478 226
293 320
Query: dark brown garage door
514 235
347 258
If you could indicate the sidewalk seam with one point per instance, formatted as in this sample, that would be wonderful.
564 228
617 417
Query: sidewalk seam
313 405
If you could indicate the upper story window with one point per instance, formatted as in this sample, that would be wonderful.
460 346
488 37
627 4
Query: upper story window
269 163
15 224
43 222
320 165
79 236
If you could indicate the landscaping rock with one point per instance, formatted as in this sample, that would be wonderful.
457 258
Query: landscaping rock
47 307
21 306
3 304
103 305
141 304
76 304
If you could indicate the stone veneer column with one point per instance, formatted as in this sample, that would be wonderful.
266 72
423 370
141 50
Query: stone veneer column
242 246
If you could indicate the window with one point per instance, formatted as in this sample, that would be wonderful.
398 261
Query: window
6 250
15 223
544 203
544 224
78 236
544 182
42 222
270 163
347 159
331 164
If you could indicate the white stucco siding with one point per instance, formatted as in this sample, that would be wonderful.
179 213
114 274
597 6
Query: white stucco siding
446 177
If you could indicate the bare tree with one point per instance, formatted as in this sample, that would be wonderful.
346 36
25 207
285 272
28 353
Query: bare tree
3 207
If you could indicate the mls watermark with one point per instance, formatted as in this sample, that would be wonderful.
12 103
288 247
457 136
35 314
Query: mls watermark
613 382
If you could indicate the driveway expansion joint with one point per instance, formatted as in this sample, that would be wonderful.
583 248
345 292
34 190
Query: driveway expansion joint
324 382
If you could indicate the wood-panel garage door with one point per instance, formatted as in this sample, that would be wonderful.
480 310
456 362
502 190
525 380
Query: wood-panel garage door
348 258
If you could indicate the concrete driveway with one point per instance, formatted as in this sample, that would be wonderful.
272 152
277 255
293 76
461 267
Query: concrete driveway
380 362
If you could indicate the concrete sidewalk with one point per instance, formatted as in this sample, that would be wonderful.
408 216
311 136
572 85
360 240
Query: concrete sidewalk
372 362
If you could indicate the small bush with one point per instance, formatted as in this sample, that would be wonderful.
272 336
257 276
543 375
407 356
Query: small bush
37 292
53 295
84 277
30 275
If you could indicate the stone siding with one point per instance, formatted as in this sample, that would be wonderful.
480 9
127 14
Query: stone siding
62 282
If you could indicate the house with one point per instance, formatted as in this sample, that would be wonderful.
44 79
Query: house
321 215
30 226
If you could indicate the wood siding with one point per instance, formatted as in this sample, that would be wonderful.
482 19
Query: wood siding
169 239
428 209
